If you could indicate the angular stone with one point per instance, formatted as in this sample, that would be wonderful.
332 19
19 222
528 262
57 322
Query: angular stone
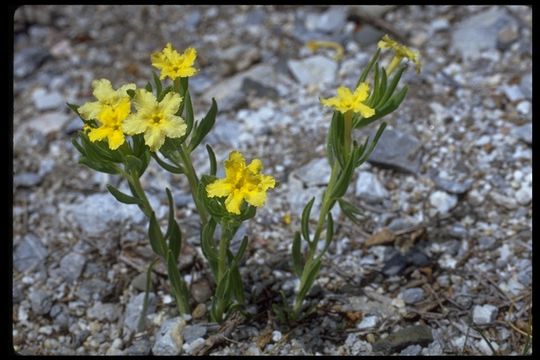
397 150
192 332
47 123
41 302
369 188
104 311
29 252
94 289
314 173
442 201
44 100
452 186
134 308
523 133
331 21
313 70
369 322
27 60
412 295
169 337
27 179
412 335
484 315
71 266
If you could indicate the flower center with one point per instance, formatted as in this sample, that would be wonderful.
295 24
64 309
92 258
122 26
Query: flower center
156 119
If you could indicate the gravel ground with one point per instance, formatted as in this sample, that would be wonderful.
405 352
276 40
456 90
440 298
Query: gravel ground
442 263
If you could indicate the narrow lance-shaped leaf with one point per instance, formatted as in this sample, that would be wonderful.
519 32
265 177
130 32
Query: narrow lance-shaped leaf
382 88
241 250
173 233
204 126
351 211
159 87
212 158
366 71
73 107
148 87
329 231
179 287
175 169
393 83
155 236
305 219
236 283
102 166
375 91
122 197
296 255
310 278
373 143
78 146
343 179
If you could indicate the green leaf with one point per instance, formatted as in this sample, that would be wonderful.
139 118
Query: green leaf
102 166
366 71
148 87
395 80
247 212
175 169
373 144
190 117
155 236
204 126
179 286
131 93
241 250
180 86
236 283
344 179
134 164
123 198
296 255
305 219
78 146
212 158
208 245
173 233
329 231
382 87
309 278
159 86
375 92
351 211
74 107
164 92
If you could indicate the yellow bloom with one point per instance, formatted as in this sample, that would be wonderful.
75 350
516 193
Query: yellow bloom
111 118
351 101
174 65
401 52
106 97
157 120
241 183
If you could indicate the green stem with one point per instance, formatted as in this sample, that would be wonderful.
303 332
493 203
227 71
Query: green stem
193 182
393 64
347 131
142 319
223 247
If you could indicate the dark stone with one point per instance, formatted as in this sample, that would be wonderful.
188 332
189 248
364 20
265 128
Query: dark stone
394 265
94 289
28 60
412 335
397 150
417 257
259 89
452 186
139 347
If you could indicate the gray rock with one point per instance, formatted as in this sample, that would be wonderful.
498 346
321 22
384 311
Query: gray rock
27 179
238 58
73 126
29 252
368 322
417 257
141 346
507 36
27 60
479 32
486 243
94 289
314 173
44 100
512 92
369 188
331 21
41 302
101 217
192 347
484 315
526 85
397 150
201 291
523 133
60 315
434 348
524 107
192 20
451 186
228 93
458 230
394 265
440 24
169 337
525 276
192 332
524 195
226 132
313 70
139 282
71 266
258 89
411 350
412 295
412 335
134 308
104 311
442 201
47 123
367 35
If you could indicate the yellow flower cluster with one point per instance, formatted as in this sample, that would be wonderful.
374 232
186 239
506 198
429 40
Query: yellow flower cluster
401 51
157 120
241 183
346 100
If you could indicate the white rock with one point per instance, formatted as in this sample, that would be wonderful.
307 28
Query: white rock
486 314
276 335
484 347
369 188
513 92
313 70
524 107
524 195
169 338
193 346
44 100
442 201
368 322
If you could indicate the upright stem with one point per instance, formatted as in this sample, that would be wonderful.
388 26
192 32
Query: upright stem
347 131
394 63
223 247
193 182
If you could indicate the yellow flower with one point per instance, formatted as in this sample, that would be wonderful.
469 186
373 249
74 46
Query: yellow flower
351 101
241 183
157 120
111 118
106 96
174 65
401 52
